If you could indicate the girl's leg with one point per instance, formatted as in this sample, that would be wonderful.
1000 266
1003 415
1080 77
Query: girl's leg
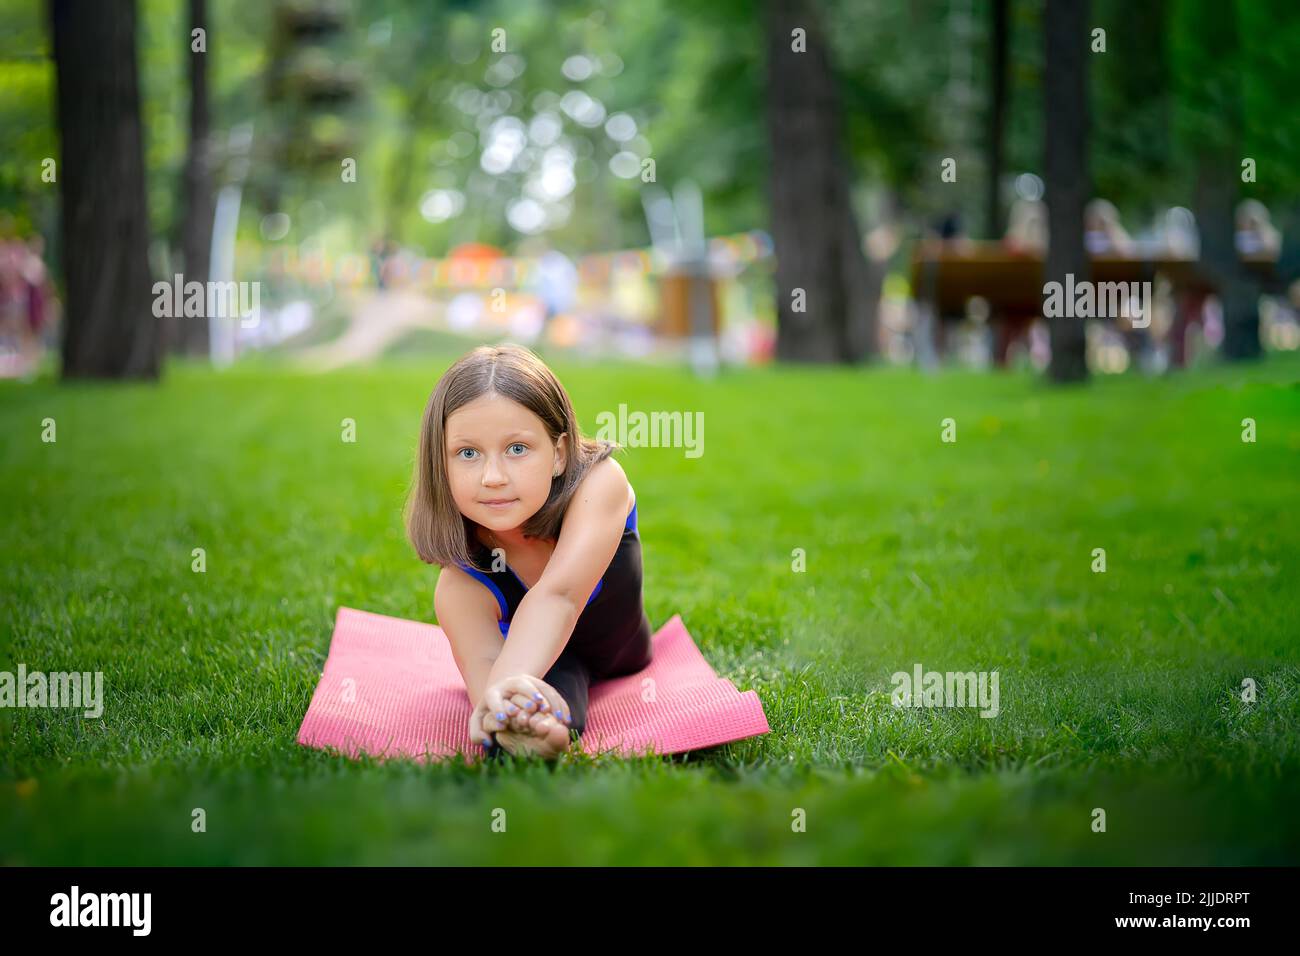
632 656
571 677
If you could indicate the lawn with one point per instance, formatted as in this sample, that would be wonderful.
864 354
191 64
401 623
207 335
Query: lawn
1119 691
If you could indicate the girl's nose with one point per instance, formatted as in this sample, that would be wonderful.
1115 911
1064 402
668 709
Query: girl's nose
492 473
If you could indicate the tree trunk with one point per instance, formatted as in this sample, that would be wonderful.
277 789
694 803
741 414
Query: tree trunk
817 241
189 336
999 37
1288 260
1238 294
1065 166
1218 184
110 328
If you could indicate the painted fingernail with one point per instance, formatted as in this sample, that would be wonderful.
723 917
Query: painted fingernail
536 696
500 716
512 708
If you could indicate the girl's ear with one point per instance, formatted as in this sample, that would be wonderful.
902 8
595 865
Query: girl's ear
561 454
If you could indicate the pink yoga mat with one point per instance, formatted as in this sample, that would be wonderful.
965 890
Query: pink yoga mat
391 688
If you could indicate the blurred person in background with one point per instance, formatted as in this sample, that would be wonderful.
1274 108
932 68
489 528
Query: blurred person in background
556 285
946 236
1027 228
1177 235
1256 234
26 301
1103 234
381 251
1026 235
40 294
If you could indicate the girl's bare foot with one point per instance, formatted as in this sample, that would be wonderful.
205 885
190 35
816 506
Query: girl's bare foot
543 735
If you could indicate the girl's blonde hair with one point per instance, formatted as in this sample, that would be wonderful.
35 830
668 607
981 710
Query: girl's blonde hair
440 533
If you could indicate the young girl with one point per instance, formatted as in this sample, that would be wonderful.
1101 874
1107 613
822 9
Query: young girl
534 527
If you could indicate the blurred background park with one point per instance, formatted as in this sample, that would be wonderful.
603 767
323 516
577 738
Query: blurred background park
827 225
829 182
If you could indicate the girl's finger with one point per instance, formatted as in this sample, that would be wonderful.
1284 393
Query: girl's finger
489 722
553 702
477 735
549 699
498 697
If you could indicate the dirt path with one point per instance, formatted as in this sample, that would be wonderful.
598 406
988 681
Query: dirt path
378 320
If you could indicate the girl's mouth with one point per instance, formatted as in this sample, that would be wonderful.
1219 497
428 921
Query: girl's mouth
499 505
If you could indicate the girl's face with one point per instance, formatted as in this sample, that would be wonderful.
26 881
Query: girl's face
499 451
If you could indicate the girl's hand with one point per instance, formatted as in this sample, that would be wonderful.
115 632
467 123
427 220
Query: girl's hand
515 699
478 737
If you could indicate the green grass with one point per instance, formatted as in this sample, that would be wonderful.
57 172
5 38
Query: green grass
1118 691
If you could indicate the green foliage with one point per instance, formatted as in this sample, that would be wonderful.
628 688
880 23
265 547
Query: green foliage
26 106
1208 68
1178 77
1132 149
1270 42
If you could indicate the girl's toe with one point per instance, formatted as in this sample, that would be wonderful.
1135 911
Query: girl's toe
556 733
541 724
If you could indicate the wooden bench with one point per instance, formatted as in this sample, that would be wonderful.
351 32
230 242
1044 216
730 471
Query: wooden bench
944 277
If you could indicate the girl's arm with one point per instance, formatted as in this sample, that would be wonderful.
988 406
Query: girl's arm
467 613
545 618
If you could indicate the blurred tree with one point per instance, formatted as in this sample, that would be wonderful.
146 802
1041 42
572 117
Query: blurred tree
110 328
190 337
311 86
1133 158
458 87
413 40
999 30
1269 35
1212 118
687 84
825 311
26 106
1065 164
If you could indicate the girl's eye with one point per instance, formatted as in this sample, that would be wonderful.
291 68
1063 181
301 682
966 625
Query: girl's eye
458 454
520 444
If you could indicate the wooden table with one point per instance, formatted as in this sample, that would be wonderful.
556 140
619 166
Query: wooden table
945 277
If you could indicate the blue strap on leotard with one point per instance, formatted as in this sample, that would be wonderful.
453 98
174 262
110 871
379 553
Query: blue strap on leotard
504 624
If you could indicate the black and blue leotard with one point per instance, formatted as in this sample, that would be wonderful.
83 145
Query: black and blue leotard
612 635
